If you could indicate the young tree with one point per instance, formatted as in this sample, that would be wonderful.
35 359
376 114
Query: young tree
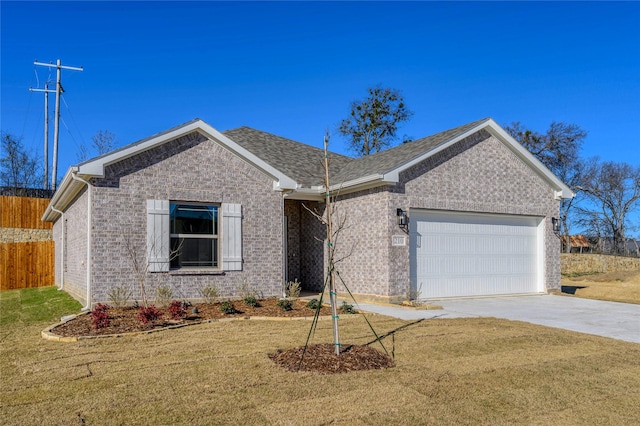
559 150
615 189
18 166
373 123
335 222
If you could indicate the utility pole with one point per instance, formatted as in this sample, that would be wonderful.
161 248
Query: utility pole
56 130
45 184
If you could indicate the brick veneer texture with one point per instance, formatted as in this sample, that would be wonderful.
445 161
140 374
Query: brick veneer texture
74 256
191 168
478 174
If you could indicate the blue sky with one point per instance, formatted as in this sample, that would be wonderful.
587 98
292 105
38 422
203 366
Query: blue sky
292 68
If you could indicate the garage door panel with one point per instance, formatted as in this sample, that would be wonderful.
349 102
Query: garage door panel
456 255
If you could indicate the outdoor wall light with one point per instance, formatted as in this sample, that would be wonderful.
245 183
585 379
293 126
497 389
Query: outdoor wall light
402 218
555 223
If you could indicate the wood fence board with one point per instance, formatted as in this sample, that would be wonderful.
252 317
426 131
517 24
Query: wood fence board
23 212
26 265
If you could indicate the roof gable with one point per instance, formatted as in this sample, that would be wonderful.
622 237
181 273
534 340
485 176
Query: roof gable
386 166
75 178
297 168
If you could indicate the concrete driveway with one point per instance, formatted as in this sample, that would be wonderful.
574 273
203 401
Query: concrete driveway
609 319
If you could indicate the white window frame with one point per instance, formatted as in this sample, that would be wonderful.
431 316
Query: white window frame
229 237
217 259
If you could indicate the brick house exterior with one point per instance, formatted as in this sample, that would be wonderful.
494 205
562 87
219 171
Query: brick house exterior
109 209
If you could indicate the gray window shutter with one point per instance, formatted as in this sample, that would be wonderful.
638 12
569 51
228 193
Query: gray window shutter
158 235
231 237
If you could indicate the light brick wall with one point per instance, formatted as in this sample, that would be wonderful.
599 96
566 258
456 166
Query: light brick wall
363 242
478 175
191 168
75 248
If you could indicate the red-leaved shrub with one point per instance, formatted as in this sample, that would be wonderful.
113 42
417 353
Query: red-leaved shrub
100 316
148 314
177 310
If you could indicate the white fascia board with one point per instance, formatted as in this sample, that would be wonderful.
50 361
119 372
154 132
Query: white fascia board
306 194
65 193
96 167
318 193
561 189
356 183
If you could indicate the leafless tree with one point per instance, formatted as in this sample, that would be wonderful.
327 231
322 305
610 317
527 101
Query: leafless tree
335 222
614 188
141 263
101 143
559 150
18 166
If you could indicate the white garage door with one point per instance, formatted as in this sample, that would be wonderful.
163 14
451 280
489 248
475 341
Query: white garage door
470 254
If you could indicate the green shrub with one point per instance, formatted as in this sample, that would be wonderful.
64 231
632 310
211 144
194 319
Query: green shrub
347 308
313 304
228 308
251 301
285 304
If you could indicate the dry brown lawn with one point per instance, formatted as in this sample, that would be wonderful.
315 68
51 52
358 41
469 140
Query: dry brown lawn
448 371
612 286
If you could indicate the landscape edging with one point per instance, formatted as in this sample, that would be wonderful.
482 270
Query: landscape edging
48 334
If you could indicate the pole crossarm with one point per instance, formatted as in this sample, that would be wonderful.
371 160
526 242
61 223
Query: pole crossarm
52 65
59 67
31 89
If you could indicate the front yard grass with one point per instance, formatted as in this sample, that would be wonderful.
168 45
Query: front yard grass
448 371
610 286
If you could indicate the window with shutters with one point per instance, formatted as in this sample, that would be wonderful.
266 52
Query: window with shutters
194 235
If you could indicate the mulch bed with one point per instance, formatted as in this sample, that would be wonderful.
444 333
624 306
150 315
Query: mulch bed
125 320
319 358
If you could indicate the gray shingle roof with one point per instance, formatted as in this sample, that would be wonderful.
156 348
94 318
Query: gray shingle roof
392 158
303 163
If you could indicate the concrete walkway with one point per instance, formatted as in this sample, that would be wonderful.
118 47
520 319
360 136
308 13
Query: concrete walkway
609 319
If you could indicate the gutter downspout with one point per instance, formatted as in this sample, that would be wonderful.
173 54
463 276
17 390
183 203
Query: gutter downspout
89 215
61 248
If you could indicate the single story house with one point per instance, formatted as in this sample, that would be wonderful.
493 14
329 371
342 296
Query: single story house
465 212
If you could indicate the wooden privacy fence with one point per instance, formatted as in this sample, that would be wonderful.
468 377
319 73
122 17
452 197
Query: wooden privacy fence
26 265
26 248
23 212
